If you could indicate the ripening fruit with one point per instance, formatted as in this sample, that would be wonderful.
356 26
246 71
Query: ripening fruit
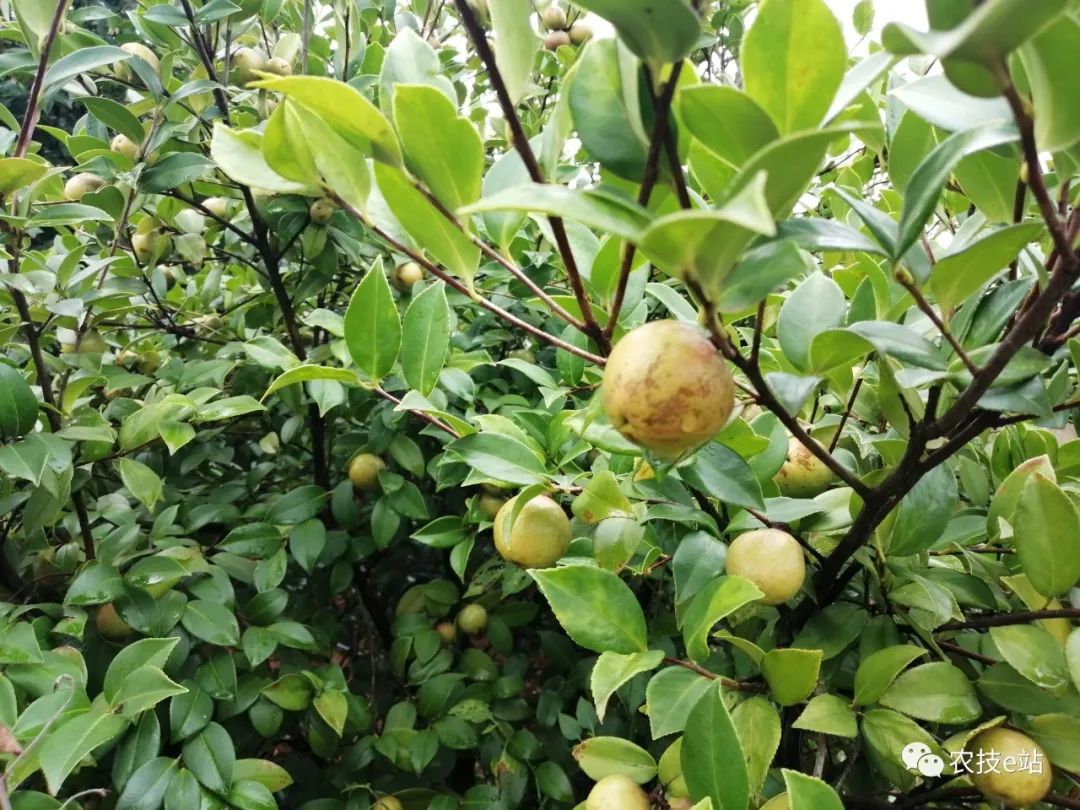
244 63
681 803
556 39
539 536
803 475
580 33
554 18
110 625
406 275
220 207
168 272
278 66
666 388
771 559
123 71
81 184
388 803
148 246
490 505
364 471
670 771
617 792
322 210
447 632
123 145
1018 786
472 619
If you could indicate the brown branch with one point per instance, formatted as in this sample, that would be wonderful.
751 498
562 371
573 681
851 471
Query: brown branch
33 101
1006 619
728 683
908 283
956 649
521 144
427 417
847 414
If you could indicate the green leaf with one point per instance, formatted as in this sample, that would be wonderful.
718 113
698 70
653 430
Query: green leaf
239 153
1059 736
816 305
212 622
17 173
808 793
605 756
937 692
211 757
1034 653
346 111
500 458
183 791
138 746
306 373
516 45
793 60
189 712
654 33
143 689
713 761
829 714
441 148
300 504
596 608
147 652
880 669
719 472
410 60
958 274
612 670
936 100
69 743
791 674
141 481
757 724
291 692
671 695
426 338
726 121
372 326
333 707
719 599
1054 84
1046 530
1072 656
81 61
263 771
95 584
146 788
173 171
599 209
926 183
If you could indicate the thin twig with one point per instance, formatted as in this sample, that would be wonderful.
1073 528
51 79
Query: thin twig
909 284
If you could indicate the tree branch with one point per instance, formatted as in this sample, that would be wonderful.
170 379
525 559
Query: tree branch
1006 619
33 101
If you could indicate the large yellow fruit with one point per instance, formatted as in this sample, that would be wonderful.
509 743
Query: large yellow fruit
1018 785
803 475
771 559
666 388
110 625
244 63
81 184
364 471
617 792
539 536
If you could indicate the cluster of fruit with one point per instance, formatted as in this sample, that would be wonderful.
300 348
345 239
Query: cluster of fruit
561 31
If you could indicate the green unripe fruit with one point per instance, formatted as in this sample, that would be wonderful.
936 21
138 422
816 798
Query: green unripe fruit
556 39
364 471
554 18
540 534
617 792
18 405
149 362
92 343
580 33
110 625
1017 786
771 559
472 620
150 246
803 475
388 803
490 505
406 275
123 145
670 771
81 184
244 64
322 210
667 389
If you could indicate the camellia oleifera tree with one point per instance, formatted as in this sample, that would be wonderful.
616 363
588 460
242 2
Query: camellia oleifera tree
464 404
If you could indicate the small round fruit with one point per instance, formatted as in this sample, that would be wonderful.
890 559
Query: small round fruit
490 505
771 559
539 536
148 246
110 625
556 39
670 771
364 471
244 63
406 275
322 210
666 388
93 343
149 362
144 53
128 359
554 18
123 145
472 620
447 632
221 207
1019 786
388 803
278 66
803 475
617 792
81 184
580 33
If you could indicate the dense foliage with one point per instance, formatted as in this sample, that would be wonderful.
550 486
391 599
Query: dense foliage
339 468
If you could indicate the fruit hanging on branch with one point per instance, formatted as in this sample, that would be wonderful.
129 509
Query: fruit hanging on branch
364 471
1025 783
81 184
771 559
406 276
667 389
617 792
539 536
803 475
472 620
322 210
